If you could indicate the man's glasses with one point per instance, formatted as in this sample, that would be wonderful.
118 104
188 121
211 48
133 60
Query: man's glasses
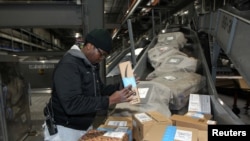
103 55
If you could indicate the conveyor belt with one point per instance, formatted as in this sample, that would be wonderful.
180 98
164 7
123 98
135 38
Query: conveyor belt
221 112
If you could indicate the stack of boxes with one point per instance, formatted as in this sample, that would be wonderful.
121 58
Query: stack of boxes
143 123
114 129
154 126
98 135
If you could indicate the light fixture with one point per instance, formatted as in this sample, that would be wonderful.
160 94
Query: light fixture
185 12
77 35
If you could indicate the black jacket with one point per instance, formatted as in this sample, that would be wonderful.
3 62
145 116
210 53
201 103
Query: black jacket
78 93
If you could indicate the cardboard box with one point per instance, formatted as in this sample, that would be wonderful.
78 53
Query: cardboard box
202 135
199 115
161 132
119 121
186 121
199 103
128 78
126 129
144 121
96 135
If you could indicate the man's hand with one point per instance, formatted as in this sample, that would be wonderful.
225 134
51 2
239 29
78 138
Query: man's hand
123 95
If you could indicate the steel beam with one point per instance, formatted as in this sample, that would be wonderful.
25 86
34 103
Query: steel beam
41 15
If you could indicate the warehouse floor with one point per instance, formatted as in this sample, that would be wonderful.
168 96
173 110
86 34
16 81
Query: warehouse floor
38 102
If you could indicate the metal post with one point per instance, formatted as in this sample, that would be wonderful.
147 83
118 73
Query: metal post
153 22
123 42
132 45
160 20
3 127
231 37
215 55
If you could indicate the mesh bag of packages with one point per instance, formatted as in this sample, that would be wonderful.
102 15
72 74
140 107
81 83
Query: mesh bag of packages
181 84
154 97
175 62
174 38
98 135
160 51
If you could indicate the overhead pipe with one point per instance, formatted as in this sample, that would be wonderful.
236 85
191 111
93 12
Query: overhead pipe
131 10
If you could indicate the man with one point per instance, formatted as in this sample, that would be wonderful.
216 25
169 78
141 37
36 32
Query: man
77 92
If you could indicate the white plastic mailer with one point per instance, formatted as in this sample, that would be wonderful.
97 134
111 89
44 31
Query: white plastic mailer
181 84
160 51
176 38
153 97
175 62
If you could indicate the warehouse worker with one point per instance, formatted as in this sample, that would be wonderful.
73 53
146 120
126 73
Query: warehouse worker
78 92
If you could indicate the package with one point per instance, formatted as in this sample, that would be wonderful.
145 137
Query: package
199 115
175 62
202 135
97 135
181 84
160 52
199 103
153 97
127 75
186 121
176 38
144 121
163 132
119 121
125 129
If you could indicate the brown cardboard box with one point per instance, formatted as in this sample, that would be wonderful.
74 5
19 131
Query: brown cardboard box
144 121
199 115
160 131
119 121
125 129
128 78
96 135
202 135
186 121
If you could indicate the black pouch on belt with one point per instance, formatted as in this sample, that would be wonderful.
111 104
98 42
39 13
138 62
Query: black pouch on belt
50 121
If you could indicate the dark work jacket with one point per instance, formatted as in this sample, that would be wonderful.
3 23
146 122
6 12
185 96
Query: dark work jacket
78 93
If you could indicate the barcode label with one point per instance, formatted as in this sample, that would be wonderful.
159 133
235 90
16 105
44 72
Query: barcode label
142 117
117 123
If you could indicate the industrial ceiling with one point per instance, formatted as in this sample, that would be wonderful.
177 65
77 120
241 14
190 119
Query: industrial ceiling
117 12
113 13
